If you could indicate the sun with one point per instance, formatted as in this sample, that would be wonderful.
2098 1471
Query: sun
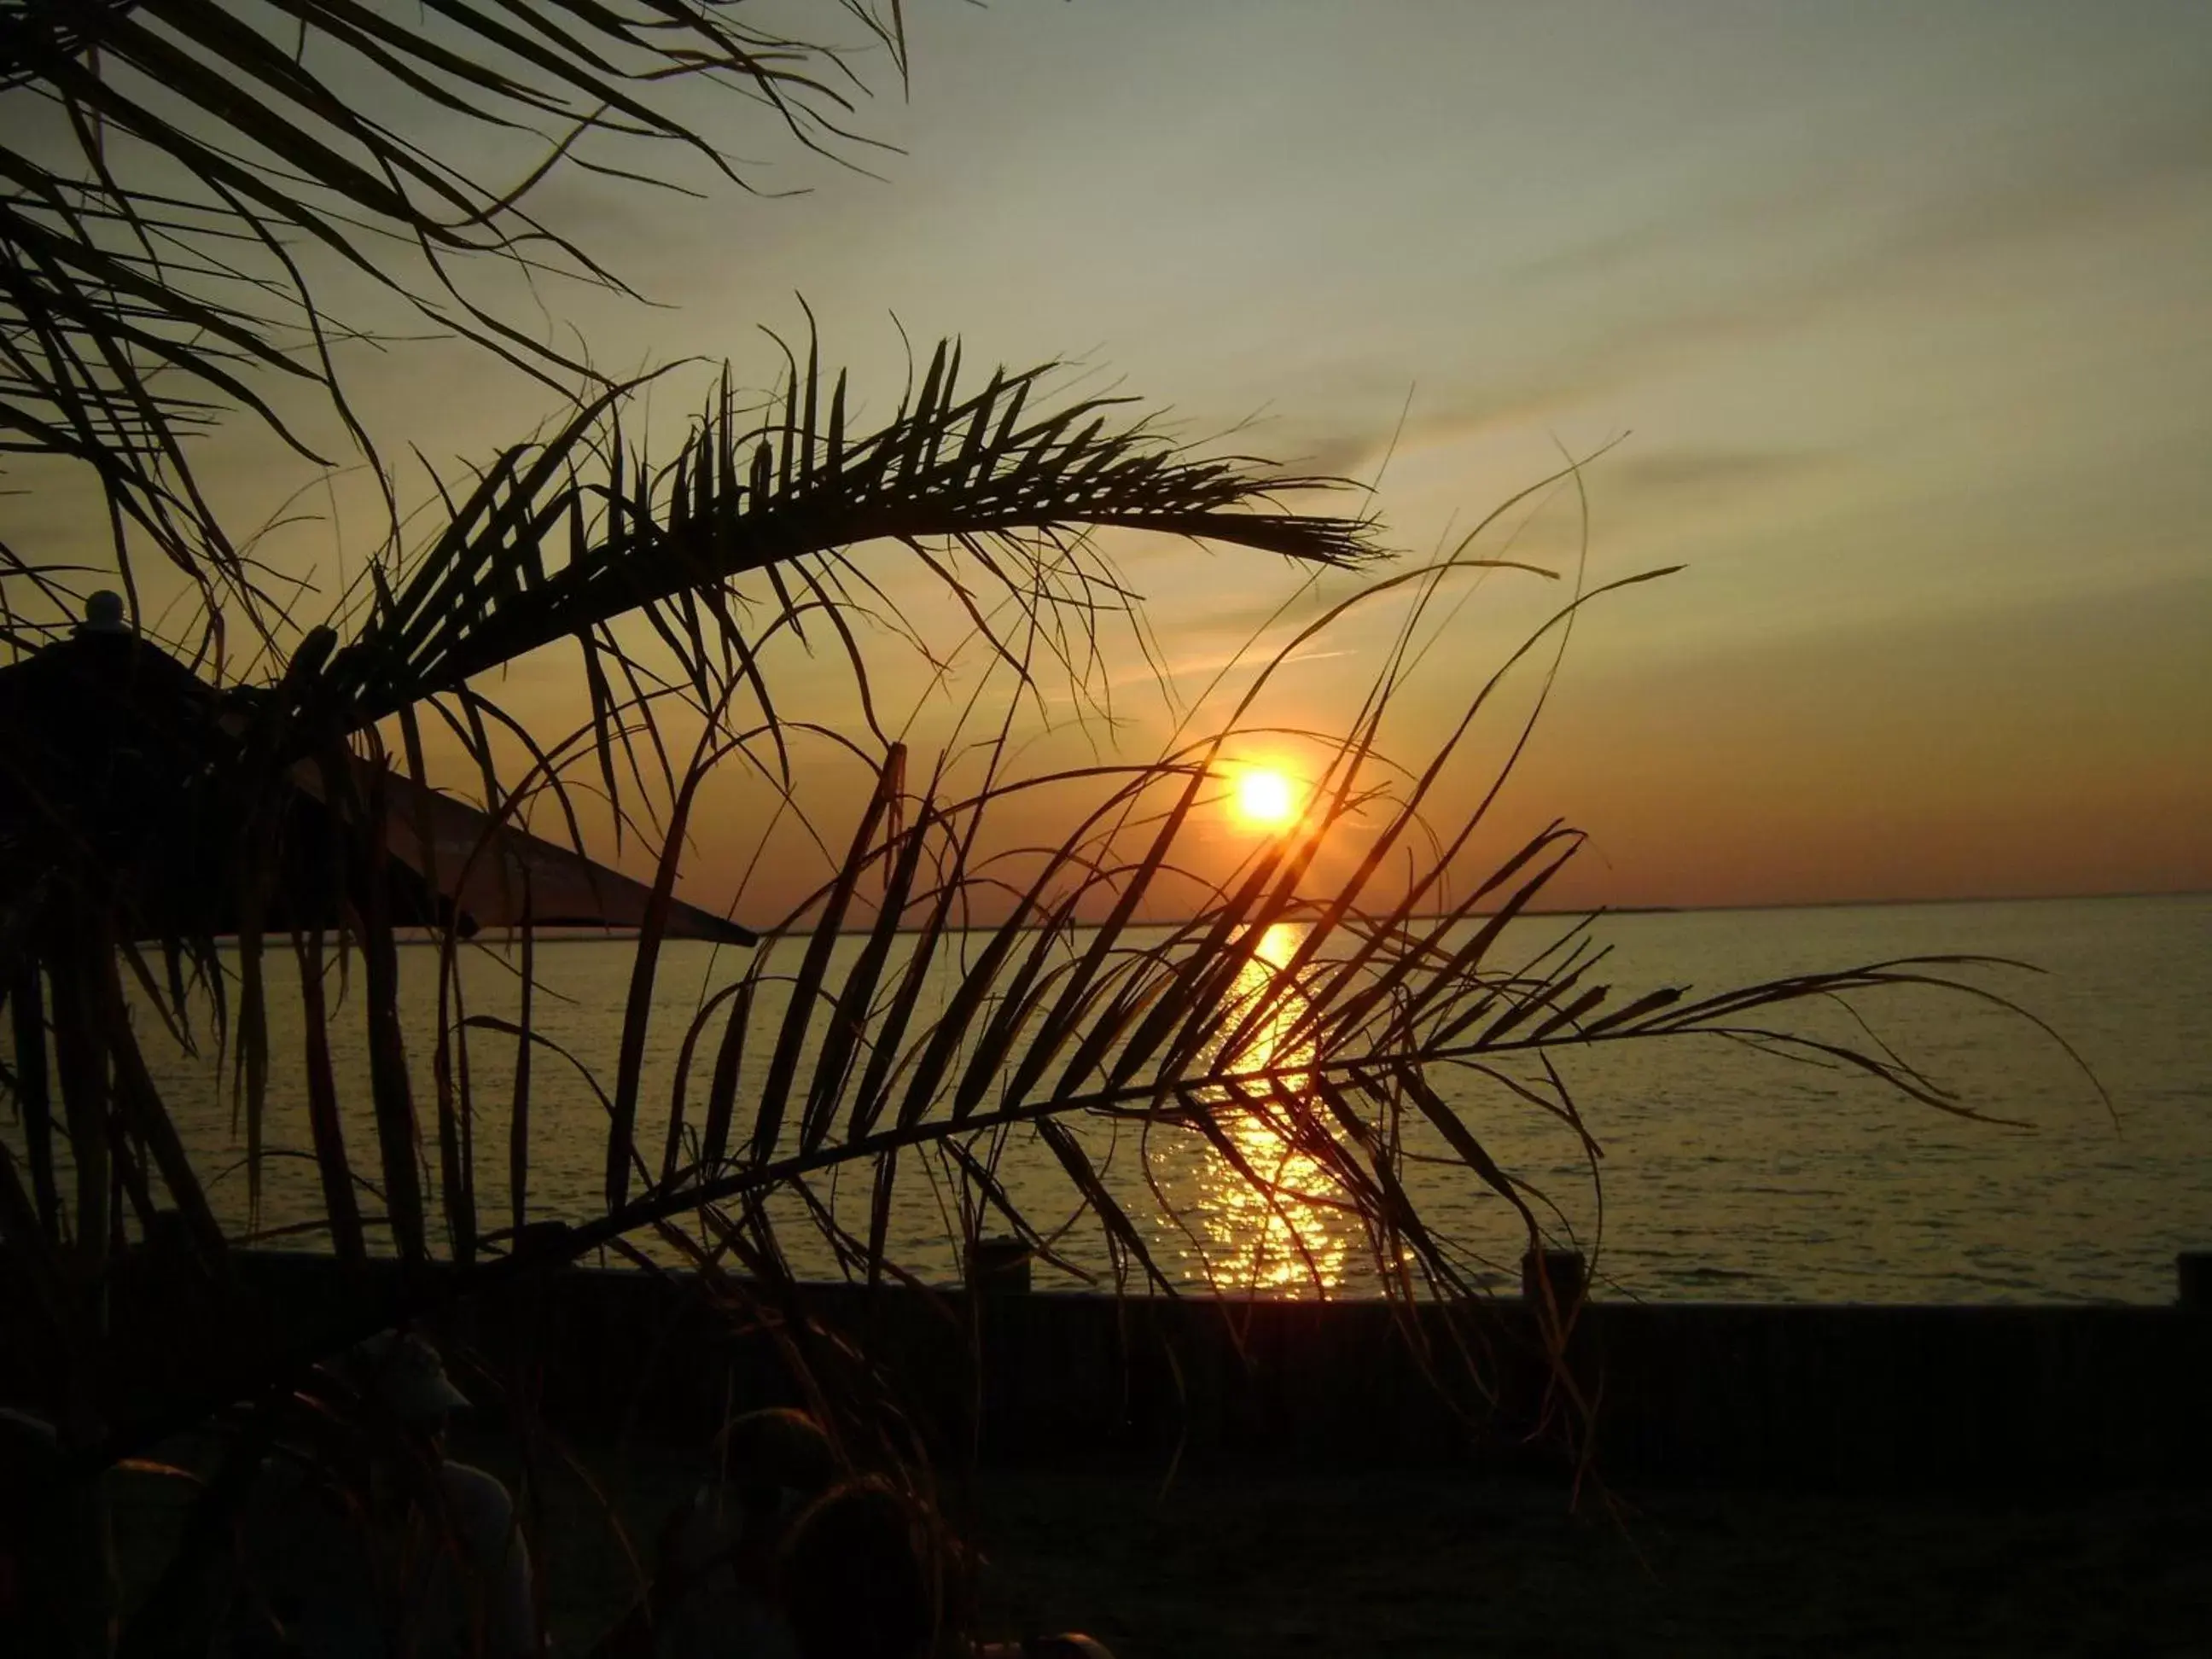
1266 798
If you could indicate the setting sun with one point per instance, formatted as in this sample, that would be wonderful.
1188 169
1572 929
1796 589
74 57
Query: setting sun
1266 798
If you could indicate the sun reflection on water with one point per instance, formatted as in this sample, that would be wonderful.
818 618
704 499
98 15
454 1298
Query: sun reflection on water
1290 1239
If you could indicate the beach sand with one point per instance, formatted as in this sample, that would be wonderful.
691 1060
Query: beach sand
1221 1565
1407 1565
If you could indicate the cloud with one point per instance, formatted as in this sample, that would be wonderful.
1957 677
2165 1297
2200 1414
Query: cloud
1705 472
1348 453
1674 288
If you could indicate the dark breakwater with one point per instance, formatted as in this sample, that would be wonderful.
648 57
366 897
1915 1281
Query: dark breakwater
1865 1398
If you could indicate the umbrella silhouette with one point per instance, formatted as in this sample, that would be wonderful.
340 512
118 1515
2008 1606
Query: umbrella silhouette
121 768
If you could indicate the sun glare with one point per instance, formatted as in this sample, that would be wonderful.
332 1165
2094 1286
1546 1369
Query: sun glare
1266 798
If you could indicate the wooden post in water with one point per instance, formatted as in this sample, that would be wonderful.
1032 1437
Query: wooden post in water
999 1266
998 1277
1564 1271
2192 1273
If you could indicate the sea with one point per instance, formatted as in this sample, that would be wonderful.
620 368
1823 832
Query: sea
1724 1170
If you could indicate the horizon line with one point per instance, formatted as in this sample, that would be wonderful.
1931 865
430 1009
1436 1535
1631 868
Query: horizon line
590 935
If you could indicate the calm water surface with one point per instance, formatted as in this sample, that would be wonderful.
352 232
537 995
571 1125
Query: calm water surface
1726 1174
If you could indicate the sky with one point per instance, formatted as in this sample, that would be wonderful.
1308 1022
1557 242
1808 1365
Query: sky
1888 321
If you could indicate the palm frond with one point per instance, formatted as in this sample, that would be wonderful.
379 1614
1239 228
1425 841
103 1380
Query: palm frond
755 492
182 177
1315 1040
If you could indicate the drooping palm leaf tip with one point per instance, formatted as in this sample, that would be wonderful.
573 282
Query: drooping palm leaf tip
543 548
180 179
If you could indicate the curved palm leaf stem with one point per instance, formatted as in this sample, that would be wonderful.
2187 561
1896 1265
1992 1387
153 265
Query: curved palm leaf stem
1122 1099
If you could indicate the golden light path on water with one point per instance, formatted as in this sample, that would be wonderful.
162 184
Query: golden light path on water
1287 1238
1730 1174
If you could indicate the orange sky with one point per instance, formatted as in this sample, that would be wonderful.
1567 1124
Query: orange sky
1897 315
